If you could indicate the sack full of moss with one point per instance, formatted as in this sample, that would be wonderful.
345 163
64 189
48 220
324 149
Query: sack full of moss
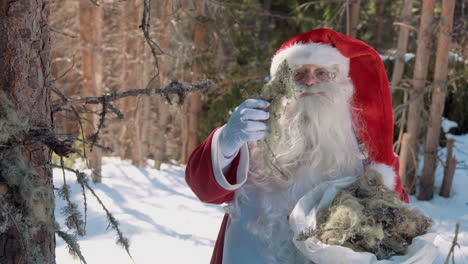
359 220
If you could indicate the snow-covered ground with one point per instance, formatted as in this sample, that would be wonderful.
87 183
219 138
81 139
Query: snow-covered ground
160 215
166 223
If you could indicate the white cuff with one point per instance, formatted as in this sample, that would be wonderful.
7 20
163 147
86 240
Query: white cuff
219 162
387 172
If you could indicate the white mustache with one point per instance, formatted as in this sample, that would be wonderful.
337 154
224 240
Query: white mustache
319 87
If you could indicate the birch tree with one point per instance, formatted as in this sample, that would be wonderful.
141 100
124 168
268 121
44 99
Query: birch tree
439 92
423 53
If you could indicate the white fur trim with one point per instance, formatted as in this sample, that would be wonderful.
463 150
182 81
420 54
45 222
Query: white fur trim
242 168
387 172
310 53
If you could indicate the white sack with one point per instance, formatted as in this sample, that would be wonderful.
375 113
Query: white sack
303 217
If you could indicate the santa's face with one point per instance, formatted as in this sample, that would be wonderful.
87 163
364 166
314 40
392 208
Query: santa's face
317 128
314 80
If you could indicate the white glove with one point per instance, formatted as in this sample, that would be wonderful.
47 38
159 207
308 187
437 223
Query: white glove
244 125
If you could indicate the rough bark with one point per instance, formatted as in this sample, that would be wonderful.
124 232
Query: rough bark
25 78
416 93
438 101
399 65
91 53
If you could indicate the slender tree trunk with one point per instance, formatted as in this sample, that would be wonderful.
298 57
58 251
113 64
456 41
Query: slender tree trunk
379 23
164 76
25 79
399 65
354 17
133 79
438 100
416 93
66 59
449 170
91 50
114 65
194 99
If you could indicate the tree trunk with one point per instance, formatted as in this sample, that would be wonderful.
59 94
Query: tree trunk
354 17
91 54
66 59
114 53
134 48
399 65
379 22
416 93
449 170
194 99
164 76
404 162
438 100
25 79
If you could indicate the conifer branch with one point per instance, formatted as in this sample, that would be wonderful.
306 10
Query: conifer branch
113 223
72 244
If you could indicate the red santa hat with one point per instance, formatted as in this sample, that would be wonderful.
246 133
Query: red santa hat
373 118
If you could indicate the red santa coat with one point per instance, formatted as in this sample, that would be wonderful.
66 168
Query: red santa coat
200 176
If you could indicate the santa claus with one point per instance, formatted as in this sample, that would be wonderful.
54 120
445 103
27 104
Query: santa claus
337 124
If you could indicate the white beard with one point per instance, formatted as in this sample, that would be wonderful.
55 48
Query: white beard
317 131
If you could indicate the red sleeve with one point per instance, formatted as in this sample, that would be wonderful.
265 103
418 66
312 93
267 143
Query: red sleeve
398 186
200 177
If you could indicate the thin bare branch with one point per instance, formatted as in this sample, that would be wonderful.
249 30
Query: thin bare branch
175 87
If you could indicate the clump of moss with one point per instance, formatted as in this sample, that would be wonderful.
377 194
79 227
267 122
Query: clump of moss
12 122
367 216
277 92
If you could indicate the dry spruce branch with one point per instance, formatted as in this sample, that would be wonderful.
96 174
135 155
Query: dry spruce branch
174 87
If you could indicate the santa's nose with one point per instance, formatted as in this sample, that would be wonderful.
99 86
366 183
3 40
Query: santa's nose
309 80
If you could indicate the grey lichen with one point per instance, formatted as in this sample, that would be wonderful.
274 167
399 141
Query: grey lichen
278 92
72 243
367 216
11 217
12 122
22 184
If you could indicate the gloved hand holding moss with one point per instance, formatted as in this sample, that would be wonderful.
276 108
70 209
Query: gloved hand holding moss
245 124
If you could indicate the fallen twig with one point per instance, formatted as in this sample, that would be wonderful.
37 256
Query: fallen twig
454 243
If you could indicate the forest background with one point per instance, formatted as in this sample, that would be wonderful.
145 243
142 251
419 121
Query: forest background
97 50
